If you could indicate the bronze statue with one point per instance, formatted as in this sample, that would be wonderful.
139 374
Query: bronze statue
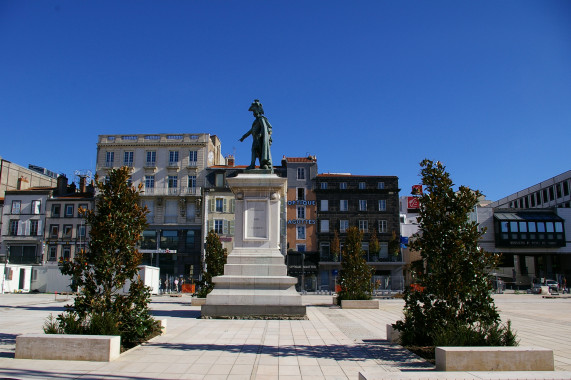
261 132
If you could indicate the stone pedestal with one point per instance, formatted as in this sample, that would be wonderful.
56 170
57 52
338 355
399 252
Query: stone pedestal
255 282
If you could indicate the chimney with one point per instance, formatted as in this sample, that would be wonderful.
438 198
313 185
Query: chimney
82 184
230 161
62 184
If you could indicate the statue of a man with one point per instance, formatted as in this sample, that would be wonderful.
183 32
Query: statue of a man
261 132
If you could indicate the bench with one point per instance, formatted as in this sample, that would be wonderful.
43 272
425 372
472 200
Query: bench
494 359
100 348
359 304
425 375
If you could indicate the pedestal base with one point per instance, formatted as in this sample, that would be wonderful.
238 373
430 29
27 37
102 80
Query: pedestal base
253 312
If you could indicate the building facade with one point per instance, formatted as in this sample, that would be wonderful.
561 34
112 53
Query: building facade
370 203
531 231
16 177
170 169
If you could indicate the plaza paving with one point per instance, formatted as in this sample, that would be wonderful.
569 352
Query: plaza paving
331 344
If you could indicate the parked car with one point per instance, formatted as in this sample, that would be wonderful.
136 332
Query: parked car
535 289
553 285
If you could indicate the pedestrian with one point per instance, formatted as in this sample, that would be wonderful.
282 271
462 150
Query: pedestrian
176 285
166 285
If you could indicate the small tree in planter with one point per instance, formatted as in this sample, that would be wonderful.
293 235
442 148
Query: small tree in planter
451 300
374 245
335 244
101 271
214 260
355 275
394 245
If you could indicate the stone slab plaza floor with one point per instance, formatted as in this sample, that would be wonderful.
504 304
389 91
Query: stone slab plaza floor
331 344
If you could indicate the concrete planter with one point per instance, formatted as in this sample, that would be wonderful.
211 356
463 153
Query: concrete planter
393 335
359 304
195 301
494 359
100 348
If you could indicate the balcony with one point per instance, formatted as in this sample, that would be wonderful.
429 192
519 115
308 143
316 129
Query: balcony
371 258
150 164
173 164
108 164
192 164
172 191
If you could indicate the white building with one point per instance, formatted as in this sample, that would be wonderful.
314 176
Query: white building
170 169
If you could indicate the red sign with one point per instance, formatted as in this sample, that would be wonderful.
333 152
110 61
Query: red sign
412 203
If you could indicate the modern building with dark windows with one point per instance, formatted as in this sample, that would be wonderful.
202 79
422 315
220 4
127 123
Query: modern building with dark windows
370 203
531 230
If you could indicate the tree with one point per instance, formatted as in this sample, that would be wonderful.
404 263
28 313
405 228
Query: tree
111 260
452 290
355 275
335 244
214 260
374 244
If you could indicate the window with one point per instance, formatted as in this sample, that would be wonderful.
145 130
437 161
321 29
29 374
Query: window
16 207
565 188
109 158
300 232
219 226
323 185
219 205
382 205
171 211
66 253
343 185
384 251
83 206
173 157
300 194
81 231
364 225
67 230
362 205
149 181
300 212
325 250
34 224
169 239
300 173
192 181
558 190
362 185
343 225
128 158
36 207
551 193
52 253
219 180
324 225
192 157
56 211
324 205
300 247
14 227
151 158
380 185
173 181
343 205
69 211
383 226
54 231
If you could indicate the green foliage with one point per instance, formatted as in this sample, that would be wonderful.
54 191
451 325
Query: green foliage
355 275
462 334
214 260
452 277
335 244
112 259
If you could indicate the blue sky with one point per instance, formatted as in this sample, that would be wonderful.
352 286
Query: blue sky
369 87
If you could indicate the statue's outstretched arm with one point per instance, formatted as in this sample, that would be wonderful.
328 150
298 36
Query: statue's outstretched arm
246 135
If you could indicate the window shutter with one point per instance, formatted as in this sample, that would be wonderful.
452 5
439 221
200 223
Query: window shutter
225 227
40 231
233 206
212 205
231 227
225 205
210 225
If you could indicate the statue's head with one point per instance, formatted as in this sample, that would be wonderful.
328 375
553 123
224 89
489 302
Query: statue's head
256 108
